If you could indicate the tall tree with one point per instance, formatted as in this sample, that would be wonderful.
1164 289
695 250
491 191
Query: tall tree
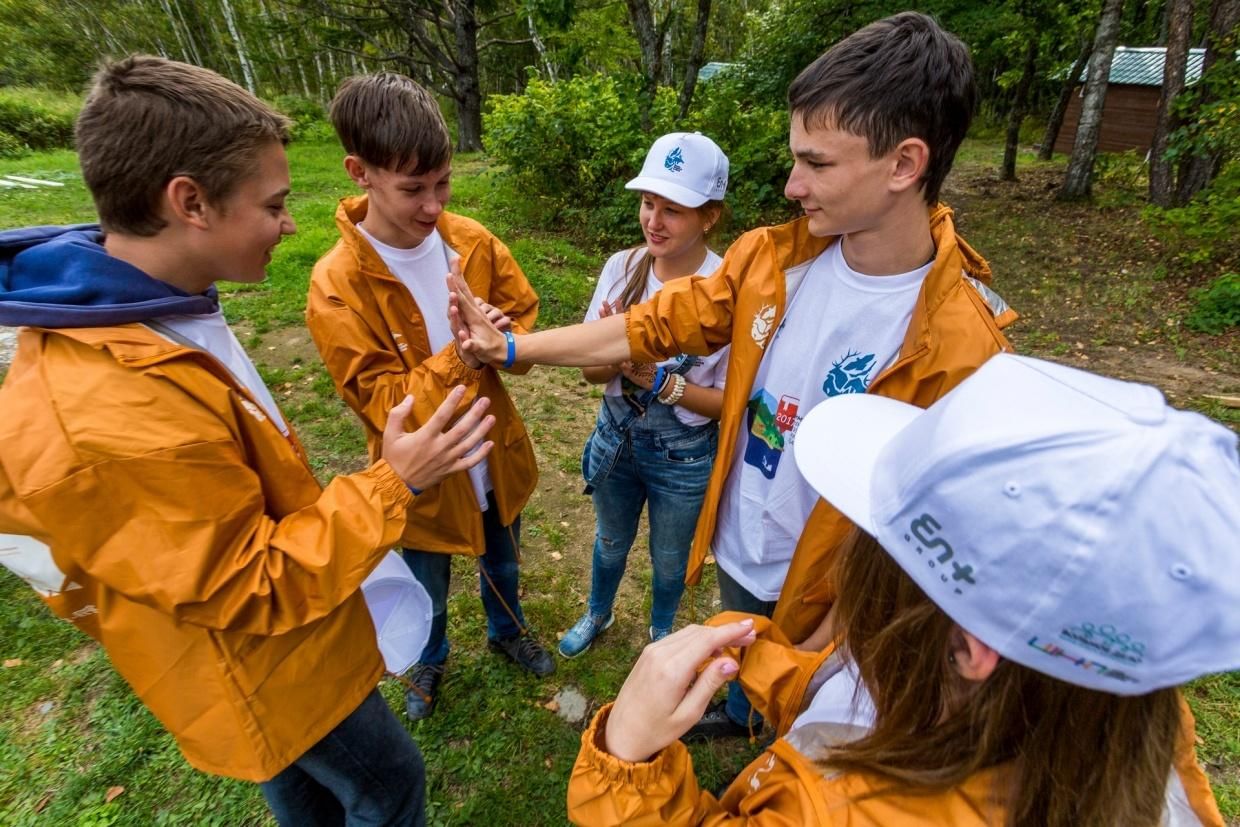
1179 28
1200 167
1079 177
696 52
1020 105
1066 90
650 36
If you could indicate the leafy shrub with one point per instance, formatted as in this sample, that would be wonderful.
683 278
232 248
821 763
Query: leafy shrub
308 116
38 118
10 146
1203 230
1216 306
569 147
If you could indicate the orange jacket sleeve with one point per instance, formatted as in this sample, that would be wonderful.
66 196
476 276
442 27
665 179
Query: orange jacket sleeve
603 791
692 315
369 376
186 531
511 291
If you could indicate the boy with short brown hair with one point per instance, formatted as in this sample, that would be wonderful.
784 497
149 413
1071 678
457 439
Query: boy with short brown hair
377 311
156 495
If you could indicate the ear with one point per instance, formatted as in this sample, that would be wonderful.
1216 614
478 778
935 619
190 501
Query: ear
912 156
710 216
357 170
974 660
186 200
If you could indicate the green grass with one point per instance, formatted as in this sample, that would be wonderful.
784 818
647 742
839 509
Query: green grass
1090 286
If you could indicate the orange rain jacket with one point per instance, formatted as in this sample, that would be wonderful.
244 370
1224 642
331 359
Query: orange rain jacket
786 787
194 541
373 340
955 327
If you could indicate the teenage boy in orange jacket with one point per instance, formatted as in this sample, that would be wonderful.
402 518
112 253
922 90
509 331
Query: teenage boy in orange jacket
872 291
377 311
160 500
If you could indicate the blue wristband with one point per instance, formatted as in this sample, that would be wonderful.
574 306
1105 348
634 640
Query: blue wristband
658 380
512 350
414 491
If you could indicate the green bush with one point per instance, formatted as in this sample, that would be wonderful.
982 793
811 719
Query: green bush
10 146
38 118
1216 306
1204 230
569 147
308 117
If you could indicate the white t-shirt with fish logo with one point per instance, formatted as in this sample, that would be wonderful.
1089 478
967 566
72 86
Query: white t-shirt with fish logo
841 330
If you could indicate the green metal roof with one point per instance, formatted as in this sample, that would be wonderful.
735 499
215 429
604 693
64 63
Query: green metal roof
1143 66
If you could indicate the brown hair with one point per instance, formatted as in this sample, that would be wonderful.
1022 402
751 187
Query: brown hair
390 121
148 120
639 274
1080 758
901 77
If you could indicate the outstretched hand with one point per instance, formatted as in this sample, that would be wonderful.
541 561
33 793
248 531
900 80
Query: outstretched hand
426 456
474 333
670 687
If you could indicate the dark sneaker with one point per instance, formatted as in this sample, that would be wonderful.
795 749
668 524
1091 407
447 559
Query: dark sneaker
420 697
525 652
657 634
578 639
715 723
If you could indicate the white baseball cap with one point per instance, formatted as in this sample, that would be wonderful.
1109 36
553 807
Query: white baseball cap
1076 524
401 610
685 167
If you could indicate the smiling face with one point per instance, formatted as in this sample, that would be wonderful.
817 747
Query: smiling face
671 230
247 224
839 185
402 209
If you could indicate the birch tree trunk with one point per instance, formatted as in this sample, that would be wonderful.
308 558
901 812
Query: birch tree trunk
1179 30
247 70
1055 123
1077 180
541 48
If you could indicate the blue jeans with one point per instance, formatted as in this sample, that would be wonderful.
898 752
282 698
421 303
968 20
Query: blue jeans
734 597
499 562
366 771
633 459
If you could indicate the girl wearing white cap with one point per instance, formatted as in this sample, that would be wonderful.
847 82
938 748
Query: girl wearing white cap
657 428
1044 555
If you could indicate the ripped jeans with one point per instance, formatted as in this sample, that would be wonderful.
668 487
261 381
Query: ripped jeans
633 459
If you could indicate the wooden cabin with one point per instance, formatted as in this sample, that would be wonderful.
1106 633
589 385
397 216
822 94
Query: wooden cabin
1132 99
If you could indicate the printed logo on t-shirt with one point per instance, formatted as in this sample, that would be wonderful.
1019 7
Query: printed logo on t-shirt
674 161
769 425
849 375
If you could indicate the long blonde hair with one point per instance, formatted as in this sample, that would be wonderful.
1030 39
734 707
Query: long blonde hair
1080 758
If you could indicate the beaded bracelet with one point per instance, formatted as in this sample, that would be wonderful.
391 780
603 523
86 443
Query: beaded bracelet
678 390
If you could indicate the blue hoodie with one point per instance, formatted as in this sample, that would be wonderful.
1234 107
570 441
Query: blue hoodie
62 277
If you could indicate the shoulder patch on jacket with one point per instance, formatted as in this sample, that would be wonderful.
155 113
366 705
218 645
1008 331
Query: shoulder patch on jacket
997 304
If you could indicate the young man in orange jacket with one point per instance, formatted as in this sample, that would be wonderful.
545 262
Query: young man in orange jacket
158 497
377 311
872 291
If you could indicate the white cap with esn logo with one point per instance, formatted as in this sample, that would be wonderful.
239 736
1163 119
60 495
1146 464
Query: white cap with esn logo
1076 524
685 167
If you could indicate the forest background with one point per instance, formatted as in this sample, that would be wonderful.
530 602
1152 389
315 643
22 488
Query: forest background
1120 263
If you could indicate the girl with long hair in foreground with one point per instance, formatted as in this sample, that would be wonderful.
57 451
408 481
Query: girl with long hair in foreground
1044 555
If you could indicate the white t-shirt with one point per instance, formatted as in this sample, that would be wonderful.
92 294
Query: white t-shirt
424 270
842 699
705 371
210 332
841 330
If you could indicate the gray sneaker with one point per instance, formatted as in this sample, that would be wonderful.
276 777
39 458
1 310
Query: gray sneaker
578 639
